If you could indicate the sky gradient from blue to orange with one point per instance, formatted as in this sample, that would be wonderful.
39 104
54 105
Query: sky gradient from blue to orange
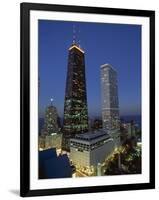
116 44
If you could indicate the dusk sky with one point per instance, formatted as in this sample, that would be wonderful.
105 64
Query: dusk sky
116 44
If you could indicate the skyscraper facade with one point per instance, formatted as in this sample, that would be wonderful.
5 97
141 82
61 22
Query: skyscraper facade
75 105
50 121
109 93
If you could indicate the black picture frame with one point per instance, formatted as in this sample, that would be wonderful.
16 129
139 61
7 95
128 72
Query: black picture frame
25 9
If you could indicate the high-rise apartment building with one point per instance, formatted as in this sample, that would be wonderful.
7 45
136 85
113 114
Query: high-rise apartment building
109 93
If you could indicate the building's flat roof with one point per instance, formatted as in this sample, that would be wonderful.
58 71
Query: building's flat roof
57 167
92 135
107 66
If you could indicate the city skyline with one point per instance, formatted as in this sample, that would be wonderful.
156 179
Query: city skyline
54 41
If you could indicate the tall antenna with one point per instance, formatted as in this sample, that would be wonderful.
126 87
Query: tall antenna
74 34
79 38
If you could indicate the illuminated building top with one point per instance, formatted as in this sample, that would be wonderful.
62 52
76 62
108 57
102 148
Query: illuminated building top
76 47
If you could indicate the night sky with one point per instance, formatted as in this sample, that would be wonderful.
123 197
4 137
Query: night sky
116 44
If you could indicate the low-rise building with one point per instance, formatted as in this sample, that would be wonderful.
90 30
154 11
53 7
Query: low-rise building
50 141
53 166
89 149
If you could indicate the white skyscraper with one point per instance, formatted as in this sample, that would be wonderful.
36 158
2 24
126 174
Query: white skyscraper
109 93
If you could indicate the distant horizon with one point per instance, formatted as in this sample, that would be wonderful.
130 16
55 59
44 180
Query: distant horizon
97 116
116 44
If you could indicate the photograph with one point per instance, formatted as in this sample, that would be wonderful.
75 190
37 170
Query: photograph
89 99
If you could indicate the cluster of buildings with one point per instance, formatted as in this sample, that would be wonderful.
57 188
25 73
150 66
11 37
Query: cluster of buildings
85 147
129 130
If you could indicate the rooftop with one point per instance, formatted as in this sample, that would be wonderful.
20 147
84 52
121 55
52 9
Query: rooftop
92 135
107 66
53 166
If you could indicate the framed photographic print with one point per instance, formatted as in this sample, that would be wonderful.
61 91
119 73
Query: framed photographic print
87 99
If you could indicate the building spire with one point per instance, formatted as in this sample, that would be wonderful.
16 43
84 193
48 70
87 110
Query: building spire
76 38
79 39
74 34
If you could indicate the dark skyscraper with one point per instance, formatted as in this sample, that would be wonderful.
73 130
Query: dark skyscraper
75 106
